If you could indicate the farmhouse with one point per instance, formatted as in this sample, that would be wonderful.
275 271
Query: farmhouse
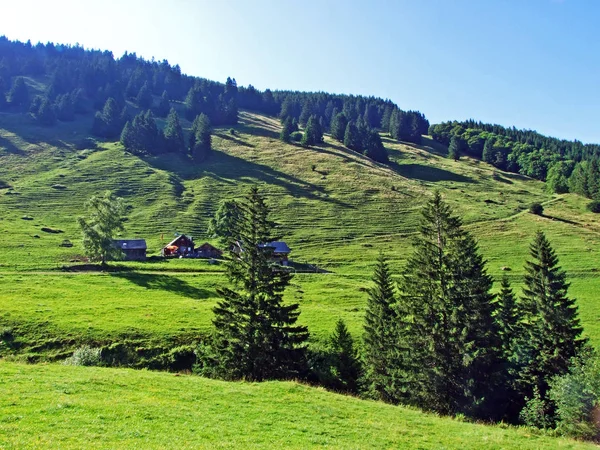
133 249
279 252
208 251
182 246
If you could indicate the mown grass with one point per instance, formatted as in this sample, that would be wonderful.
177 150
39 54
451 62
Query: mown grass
43 405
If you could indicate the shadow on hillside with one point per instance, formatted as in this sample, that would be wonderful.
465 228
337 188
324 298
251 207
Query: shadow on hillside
235 140
343 154
10 147
428 173
559 219
167 283
223 167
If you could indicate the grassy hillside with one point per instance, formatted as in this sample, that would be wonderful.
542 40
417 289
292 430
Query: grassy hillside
54 406
337 209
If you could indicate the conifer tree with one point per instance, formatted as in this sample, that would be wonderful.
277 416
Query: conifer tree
287 130
375 149
507 317
313 134
65 108
46 114
452 336
18 95
256 336
338 126
550 332
144 97
3 102
379 339
200 138
488 152
344 366
352 137
454 149
174 142
164 106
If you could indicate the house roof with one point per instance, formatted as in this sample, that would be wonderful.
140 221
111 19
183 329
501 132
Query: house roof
131 244
278 246
174 241
208 245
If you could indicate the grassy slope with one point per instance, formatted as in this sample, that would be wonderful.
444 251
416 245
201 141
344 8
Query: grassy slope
337 209
43 405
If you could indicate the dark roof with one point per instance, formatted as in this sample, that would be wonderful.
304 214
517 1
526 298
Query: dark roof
278 247
131 244
179 237
207 245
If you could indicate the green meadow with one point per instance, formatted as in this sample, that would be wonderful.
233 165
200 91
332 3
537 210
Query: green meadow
123 408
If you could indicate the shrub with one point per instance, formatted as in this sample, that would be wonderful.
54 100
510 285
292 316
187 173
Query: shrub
296 136
232 131
594 206
85 356
537 209
536 411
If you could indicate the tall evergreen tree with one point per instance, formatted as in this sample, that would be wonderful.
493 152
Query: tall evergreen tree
454 149
256 336
174 142
550 332
379 339
287 130
507 317
375 149
313 134
201 138
46 115
144 97
18 95
338 126
344 365
488 151
352 137
164 106
451 334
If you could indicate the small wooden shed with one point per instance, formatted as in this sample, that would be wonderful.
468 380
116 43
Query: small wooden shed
207 250
133 249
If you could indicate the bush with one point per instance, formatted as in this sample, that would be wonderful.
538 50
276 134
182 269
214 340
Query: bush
85 356
296 136
537 209
536 412
594 206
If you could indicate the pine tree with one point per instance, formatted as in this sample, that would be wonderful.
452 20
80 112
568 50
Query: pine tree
164 106
174 142
379 339
256 336
454 149
445 291
144 97
338 126
287 130
313 134
375 149
18 95
200 138
488 151
345 366
352 137
46 114
507 317
550 332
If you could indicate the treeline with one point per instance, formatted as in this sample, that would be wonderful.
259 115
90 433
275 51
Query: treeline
82 81
568 166
439 339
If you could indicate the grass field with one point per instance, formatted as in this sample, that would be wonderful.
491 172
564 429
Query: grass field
42 405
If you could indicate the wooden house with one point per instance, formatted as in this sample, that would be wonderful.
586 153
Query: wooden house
181 246
279 252
208 251
133 249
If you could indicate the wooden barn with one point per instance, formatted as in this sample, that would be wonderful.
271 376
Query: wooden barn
208 251
279 252
181 246
133 249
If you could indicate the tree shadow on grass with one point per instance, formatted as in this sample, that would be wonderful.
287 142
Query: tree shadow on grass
10 147
428 173
234 139
559 219
167 283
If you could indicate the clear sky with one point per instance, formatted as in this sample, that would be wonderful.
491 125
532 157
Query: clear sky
528 63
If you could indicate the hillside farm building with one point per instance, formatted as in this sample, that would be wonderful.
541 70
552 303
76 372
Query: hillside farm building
133 249
181 246
278 251
208 251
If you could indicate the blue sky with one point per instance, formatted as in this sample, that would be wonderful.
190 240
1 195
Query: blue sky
528 63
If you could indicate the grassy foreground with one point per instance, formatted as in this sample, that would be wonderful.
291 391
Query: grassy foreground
52 406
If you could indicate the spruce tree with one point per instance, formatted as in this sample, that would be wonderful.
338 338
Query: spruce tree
200 138
550 332
313 134
338 126
144 97
286 130
352 137
174 141
454 149
375 149
256 336
379 339
344 366
507 317
164 106
46 114
18 95
488 151
445 291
